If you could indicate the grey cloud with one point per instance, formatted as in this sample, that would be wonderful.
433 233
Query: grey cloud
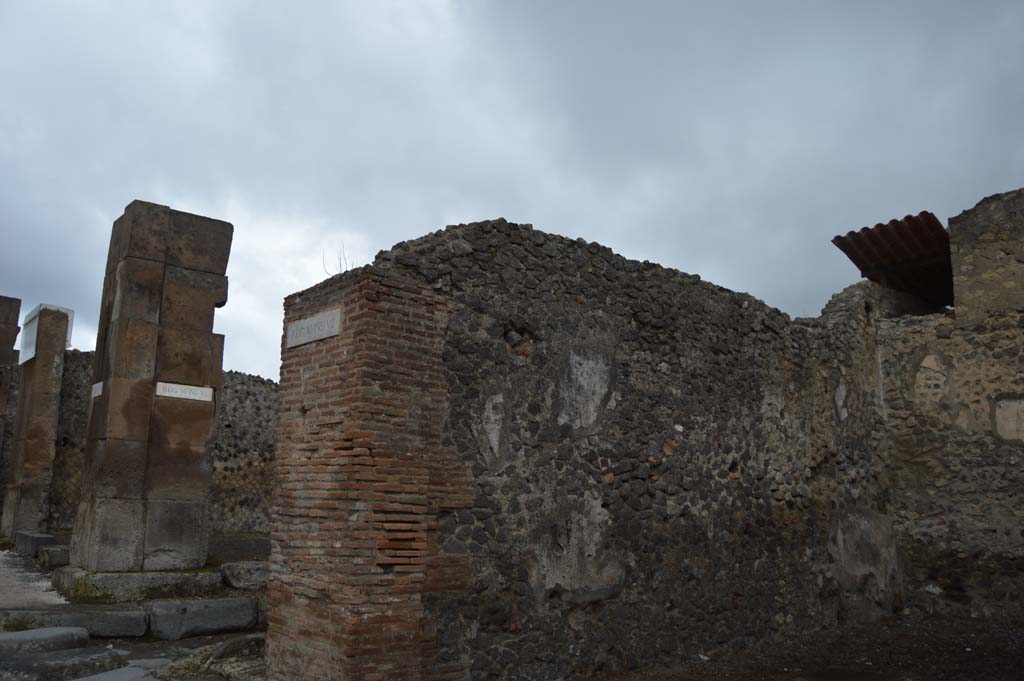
729 139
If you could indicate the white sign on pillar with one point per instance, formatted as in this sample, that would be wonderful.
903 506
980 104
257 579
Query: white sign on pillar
184 392
319 326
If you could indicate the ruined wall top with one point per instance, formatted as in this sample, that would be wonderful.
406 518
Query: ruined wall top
987 253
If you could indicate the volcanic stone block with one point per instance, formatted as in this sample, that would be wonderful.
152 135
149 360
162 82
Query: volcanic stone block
109 535
131 587
171 620
54 556
50 638
182 422
190 298
29 508
189 356
987 255
29 543
176 535
99 620
51 332
138 290
131 349
178 472
74 663
122 412
246 574
10 309
37 424
116 468
155 232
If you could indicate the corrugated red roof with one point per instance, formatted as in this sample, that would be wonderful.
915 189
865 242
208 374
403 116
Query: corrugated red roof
910 255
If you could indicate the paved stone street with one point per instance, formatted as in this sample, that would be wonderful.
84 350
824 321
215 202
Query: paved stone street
22 585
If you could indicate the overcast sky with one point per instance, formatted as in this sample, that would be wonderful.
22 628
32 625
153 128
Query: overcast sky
727 139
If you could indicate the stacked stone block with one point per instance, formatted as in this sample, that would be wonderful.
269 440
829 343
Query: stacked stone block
10 310
35 428
156 373
362 479
987 253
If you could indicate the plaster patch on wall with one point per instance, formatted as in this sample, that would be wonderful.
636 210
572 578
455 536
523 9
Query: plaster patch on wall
840 398
865 563
571 560
584 385
1008 414
931 380
490 429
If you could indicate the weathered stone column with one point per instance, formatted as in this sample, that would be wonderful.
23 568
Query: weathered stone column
156 373
10 313
987 253
35 427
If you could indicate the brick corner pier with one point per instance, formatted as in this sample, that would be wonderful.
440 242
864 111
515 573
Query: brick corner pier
362 477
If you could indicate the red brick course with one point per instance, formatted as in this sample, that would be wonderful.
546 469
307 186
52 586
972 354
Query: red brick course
361 476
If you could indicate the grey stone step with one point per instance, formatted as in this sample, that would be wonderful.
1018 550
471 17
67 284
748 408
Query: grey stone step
60 665
174 619
123 674
117 621
29 543
54 556
81 586
49 638
246 574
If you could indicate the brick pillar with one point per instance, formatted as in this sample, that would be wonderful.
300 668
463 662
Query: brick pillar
361 476
156 373
26 503
987 254
10 313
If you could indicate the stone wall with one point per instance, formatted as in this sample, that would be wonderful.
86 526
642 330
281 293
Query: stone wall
243 452
987 254
955 449
661 465
658 466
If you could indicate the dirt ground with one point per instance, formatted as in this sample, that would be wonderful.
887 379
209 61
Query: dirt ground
899 649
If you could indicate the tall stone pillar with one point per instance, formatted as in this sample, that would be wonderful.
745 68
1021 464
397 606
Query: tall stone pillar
156 375
35 427
10 313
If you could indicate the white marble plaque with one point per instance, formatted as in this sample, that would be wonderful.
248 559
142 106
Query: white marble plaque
185 392
97 390
317 327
